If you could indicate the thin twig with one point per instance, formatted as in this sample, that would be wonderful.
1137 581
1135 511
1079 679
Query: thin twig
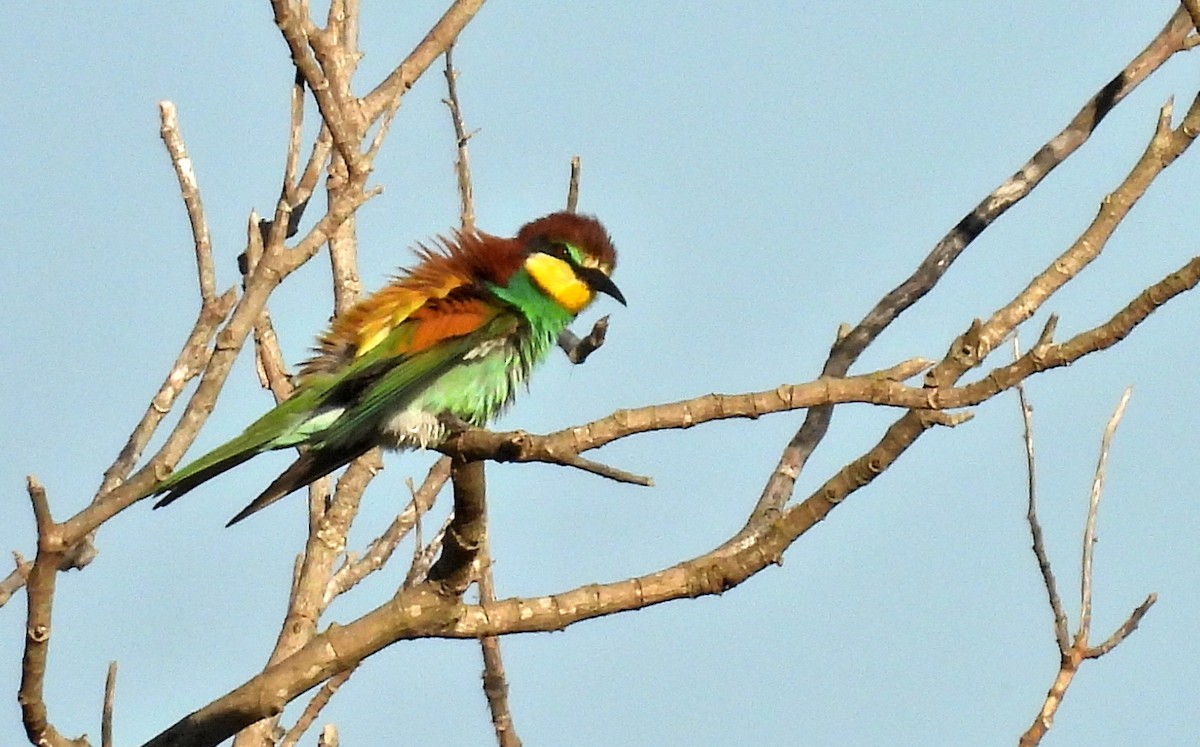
495 683
190 190
578 349
268 357
462 163
1075 652
1035 527
1131 624
314 707
295 133
424 556
604 470
316 163
106 714
1089 529
195 355
15 580
442 35
573 185
380 550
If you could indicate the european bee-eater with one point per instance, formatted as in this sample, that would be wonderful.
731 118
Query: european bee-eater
446 343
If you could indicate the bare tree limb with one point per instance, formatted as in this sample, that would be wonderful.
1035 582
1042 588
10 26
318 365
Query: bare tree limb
314 707
1076 651
573 185
191 199
462 163
849 346
1089 529
973 346
495 686
424 555
1035 527
106 713
39 593
1193 10
442 35
14 581
495 683
454 569
381 549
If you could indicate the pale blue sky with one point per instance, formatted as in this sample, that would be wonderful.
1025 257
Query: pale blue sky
767 171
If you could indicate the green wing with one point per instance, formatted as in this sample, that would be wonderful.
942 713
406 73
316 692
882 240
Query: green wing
338 414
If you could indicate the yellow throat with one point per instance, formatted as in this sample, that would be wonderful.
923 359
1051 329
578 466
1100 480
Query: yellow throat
558 279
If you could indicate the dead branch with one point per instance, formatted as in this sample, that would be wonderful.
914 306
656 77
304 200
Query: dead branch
573 184
1074 652
495 682
106 713
454 569
314 708
39 593
849 346
381 549
1035 527
462 162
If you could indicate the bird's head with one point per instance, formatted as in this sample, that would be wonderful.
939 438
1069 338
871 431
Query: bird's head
571 258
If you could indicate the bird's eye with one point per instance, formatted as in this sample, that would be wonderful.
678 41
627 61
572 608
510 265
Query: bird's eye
559 250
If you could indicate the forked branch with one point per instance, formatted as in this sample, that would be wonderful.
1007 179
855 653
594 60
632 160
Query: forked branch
1073 652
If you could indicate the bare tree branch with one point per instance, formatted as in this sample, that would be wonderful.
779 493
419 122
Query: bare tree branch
1193 10
381 549
441 36
314 707
462 164
1075 652
573 185
495 683
1089 529
191 199
850 346
106 714
39 593
15 580
1035 527
454 569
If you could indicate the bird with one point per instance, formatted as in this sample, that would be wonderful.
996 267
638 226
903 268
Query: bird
442 347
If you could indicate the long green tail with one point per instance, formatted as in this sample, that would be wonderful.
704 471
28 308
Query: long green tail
210 465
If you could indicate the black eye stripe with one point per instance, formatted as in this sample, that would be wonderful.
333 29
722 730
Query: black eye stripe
556 249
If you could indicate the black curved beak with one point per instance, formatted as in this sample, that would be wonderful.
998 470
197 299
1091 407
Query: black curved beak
600 282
